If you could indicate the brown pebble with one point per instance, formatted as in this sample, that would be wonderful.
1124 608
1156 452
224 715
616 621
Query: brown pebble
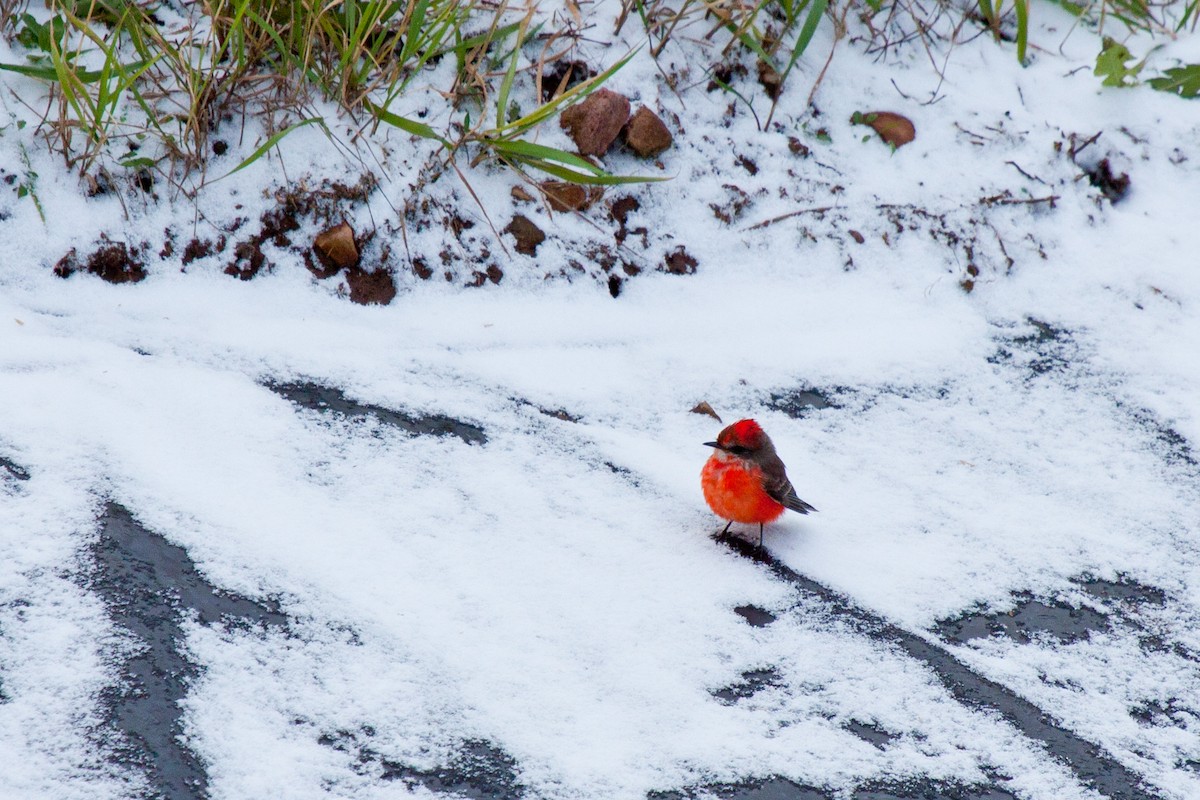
335 248
646 134
594 123
528 235
565 196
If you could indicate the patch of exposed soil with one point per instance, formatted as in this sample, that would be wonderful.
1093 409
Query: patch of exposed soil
113 262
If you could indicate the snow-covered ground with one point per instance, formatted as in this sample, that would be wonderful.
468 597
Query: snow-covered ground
541 609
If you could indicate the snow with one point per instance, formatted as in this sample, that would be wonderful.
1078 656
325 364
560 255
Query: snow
554 591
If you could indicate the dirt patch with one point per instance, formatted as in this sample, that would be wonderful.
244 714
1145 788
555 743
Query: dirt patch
564 74
370 288
296 208
1111 185
201 248
620 210
680 262
113 262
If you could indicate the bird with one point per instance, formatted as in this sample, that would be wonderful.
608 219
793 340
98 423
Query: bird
745 480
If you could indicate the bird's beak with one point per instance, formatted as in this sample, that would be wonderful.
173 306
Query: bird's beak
713 444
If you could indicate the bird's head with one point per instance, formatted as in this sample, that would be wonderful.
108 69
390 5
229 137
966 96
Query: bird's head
743 438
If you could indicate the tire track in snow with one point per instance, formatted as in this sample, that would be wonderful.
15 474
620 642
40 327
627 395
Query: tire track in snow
149 585
1093 766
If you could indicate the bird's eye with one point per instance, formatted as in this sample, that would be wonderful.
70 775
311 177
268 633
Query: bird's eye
738 450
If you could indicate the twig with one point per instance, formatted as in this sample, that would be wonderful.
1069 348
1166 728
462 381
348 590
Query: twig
1026 174
789 215
1074 151
978 136
1008 200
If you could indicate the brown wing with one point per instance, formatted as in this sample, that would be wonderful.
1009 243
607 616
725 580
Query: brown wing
780 489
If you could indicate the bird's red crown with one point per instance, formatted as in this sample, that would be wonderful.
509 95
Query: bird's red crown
745 432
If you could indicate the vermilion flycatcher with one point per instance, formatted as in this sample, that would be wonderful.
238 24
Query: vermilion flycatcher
745 481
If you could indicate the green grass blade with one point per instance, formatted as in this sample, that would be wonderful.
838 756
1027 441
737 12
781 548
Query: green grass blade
1022 28
406 124
815 12
49 73
416 22
506 84
471 42
531 150
561 164
271 142
571 176
988 12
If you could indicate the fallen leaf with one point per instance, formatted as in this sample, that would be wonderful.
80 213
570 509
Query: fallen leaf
704 408
893 128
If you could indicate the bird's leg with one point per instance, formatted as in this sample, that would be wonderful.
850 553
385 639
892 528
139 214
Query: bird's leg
760 530
727 524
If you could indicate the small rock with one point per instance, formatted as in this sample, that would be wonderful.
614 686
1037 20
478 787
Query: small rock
893 128
370 288
646 134
566 196
528 235
335 249
594 123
